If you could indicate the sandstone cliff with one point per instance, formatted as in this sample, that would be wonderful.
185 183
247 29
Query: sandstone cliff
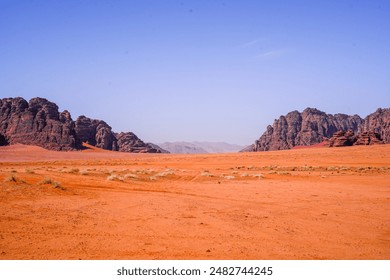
313 126
39 123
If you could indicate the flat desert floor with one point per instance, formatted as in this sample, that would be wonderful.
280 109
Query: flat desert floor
319 203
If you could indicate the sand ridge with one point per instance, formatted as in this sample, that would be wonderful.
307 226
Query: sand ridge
323 203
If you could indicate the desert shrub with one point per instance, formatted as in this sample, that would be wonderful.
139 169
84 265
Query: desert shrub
229 177
165 173
131 176
57 185
46 181
114 177
11 178
206 174
260 176
29 171
83 172
283 173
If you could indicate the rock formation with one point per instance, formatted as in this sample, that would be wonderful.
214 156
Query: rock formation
129 142
313 126
378 122
303 129
39 123
342 138
96 133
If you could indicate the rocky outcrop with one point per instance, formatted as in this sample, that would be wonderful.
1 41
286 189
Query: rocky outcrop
37 122
129 142
368 138
310 127
313 126
96 133
342 138
378 122
158 148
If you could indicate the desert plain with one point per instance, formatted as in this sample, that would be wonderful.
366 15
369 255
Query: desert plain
318 203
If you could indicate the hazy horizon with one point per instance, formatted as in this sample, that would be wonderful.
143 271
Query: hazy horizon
208 71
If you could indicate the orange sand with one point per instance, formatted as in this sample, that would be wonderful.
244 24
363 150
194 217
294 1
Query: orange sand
324 203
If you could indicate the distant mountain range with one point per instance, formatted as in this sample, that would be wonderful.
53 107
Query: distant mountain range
200 147
313 126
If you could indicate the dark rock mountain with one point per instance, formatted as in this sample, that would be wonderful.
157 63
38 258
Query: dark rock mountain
96 133
349 138
378 122
129 142
313 126
157 147
39 123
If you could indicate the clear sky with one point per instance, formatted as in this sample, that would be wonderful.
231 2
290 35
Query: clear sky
197 70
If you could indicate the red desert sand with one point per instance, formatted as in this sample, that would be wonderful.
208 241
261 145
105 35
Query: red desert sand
323 203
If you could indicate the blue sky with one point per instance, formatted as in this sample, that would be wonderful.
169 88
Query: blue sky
197 70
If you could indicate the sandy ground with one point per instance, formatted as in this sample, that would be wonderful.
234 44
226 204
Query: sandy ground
323 203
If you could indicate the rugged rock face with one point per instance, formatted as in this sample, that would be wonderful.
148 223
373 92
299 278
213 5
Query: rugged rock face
302 129
96 133
342 138
368 138
378 122
37 122
158 148
129 142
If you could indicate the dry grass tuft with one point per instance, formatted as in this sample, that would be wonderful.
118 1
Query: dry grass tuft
131 176
83 172
206 174
11 178
259 176
163 174
114 177
46 181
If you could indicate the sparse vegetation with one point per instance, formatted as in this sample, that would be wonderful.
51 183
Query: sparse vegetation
46 181
83 172
29 171
114 177
57 185
11 178
163 174
131 176
206 174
